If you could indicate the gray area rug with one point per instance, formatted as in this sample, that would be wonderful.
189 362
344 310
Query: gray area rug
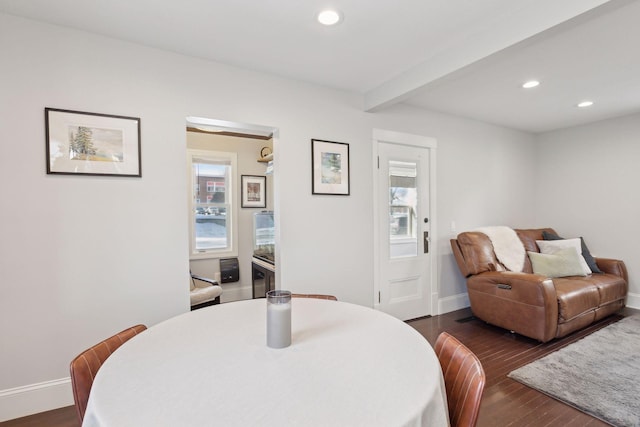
599 375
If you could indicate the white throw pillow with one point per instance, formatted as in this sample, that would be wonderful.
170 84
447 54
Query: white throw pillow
550 247
565 262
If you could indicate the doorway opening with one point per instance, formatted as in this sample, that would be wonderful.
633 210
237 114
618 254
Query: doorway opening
231 187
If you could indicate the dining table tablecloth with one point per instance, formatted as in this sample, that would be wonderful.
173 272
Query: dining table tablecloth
348 365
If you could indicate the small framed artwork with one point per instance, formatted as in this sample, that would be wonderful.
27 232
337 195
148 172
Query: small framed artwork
329 167
81 143
254 191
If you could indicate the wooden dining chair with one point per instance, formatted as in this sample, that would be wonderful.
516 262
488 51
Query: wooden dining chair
316 296
86 365
464 380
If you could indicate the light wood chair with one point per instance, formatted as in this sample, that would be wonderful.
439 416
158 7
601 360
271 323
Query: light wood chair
464 380
86 365
316 296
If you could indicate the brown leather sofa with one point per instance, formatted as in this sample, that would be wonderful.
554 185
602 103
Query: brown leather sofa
533 305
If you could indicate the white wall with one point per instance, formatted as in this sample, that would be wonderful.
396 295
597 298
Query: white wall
83 257
587 185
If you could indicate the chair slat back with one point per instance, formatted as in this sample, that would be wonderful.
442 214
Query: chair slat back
86 365
316 296
464 380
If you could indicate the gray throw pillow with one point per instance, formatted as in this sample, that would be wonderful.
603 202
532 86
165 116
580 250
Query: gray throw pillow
591 262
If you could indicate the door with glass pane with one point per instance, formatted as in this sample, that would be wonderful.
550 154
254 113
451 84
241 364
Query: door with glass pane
403 230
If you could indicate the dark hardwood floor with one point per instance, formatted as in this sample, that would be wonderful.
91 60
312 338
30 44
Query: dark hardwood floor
63 417
505 402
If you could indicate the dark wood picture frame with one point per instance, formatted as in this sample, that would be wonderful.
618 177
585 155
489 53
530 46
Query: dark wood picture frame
84 143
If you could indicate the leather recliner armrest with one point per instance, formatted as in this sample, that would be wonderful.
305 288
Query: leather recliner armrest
613 266
521 302
531 289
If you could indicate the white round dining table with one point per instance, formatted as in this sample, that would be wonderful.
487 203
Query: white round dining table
347 365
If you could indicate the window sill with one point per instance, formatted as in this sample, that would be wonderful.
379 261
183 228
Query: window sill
212 255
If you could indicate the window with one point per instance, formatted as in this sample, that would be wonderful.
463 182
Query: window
403 199
211 212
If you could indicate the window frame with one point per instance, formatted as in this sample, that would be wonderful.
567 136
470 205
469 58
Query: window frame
232 204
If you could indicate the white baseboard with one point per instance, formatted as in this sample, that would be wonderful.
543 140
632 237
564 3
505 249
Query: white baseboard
453 303
31 399
633 301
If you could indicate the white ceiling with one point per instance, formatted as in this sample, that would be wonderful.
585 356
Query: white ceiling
463 57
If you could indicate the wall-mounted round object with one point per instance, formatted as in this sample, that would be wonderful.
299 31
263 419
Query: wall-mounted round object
265 151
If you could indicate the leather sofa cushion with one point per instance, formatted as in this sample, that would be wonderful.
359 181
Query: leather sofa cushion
477 251
610 287
577 295
528 238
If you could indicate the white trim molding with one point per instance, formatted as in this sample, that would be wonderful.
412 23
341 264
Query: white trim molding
453 303
633 300
34 398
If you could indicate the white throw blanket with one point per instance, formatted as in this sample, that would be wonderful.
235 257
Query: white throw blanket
507 246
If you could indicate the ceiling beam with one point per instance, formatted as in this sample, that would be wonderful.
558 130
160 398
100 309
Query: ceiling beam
505 31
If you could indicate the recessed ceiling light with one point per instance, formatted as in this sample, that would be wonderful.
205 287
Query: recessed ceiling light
530 84
329 17
584 104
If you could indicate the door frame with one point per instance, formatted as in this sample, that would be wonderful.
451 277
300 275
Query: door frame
239 129
400 138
